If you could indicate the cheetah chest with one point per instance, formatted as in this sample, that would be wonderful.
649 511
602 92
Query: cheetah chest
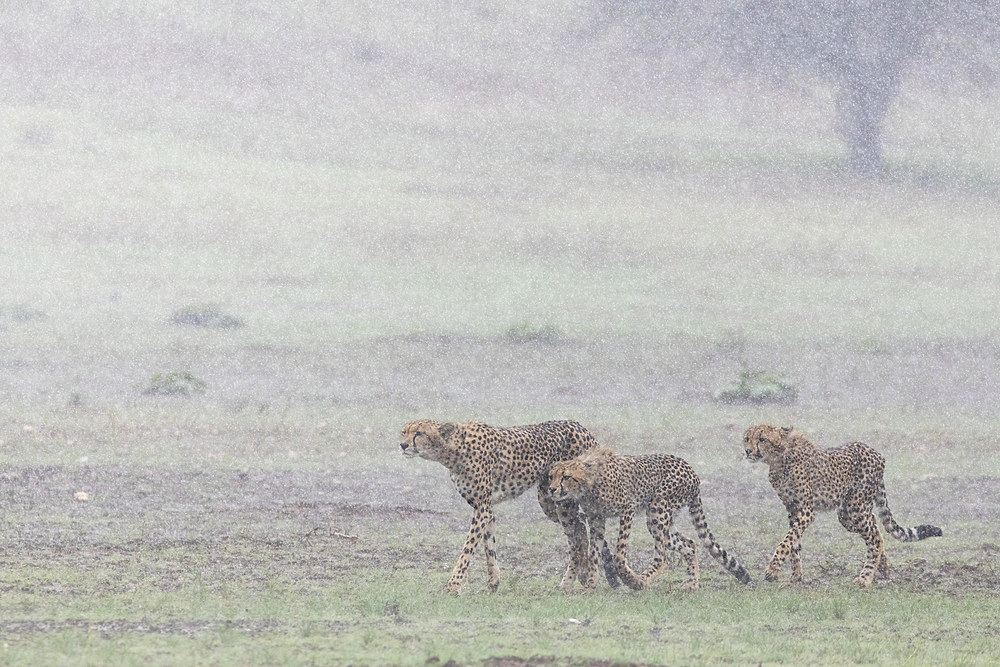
511 478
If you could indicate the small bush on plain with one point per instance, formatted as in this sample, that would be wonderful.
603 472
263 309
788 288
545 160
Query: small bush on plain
756 387
175 384
208 315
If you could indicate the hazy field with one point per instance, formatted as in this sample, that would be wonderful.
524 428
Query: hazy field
466 214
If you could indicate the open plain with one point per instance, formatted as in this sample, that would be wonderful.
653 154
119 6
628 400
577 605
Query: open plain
375 230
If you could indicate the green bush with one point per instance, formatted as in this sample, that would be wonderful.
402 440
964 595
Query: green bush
208 315
174 384
757 387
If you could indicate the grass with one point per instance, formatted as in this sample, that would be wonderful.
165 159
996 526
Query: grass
712 629
200 612
290 561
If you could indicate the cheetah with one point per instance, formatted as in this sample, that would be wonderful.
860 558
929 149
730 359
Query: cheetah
606 484
489 465
808 479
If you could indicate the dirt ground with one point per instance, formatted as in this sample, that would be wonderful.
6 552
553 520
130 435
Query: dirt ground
151 526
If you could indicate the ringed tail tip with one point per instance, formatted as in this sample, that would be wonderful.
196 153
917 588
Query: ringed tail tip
928 531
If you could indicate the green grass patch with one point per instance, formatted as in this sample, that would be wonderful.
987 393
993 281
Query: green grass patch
21 312
405 619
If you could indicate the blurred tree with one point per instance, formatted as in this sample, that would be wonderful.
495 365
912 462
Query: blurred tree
862 47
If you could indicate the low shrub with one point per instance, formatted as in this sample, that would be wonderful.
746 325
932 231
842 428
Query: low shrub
756 387
208 315
174 384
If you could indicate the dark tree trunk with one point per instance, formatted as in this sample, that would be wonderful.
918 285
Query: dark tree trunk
876 40
862 47
863 104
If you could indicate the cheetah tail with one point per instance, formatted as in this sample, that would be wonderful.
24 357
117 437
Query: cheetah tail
894 529
731 565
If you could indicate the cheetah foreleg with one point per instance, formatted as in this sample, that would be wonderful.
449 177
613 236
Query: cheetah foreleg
482 521
600 549
579 556
566 514
790 547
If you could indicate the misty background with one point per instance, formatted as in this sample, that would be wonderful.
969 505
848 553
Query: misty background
501 210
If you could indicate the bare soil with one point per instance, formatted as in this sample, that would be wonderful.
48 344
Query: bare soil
151 527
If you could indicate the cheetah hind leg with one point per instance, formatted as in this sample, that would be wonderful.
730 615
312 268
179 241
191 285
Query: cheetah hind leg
658 522
855 514
882 572
794 558
490 548
687 549
873 560
795 564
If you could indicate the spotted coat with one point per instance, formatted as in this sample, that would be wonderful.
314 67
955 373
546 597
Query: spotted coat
489 465
808 479
608 485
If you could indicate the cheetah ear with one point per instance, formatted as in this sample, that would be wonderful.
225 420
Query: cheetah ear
591 471
786 430
445 430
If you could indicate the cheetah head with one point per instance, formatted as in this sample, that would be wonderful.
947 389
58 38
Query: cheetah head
571 479
427 439
567 479
765 442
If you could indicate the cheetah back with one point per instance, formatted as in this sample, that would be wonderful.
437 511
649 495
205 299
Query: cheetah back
637 482
521 455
